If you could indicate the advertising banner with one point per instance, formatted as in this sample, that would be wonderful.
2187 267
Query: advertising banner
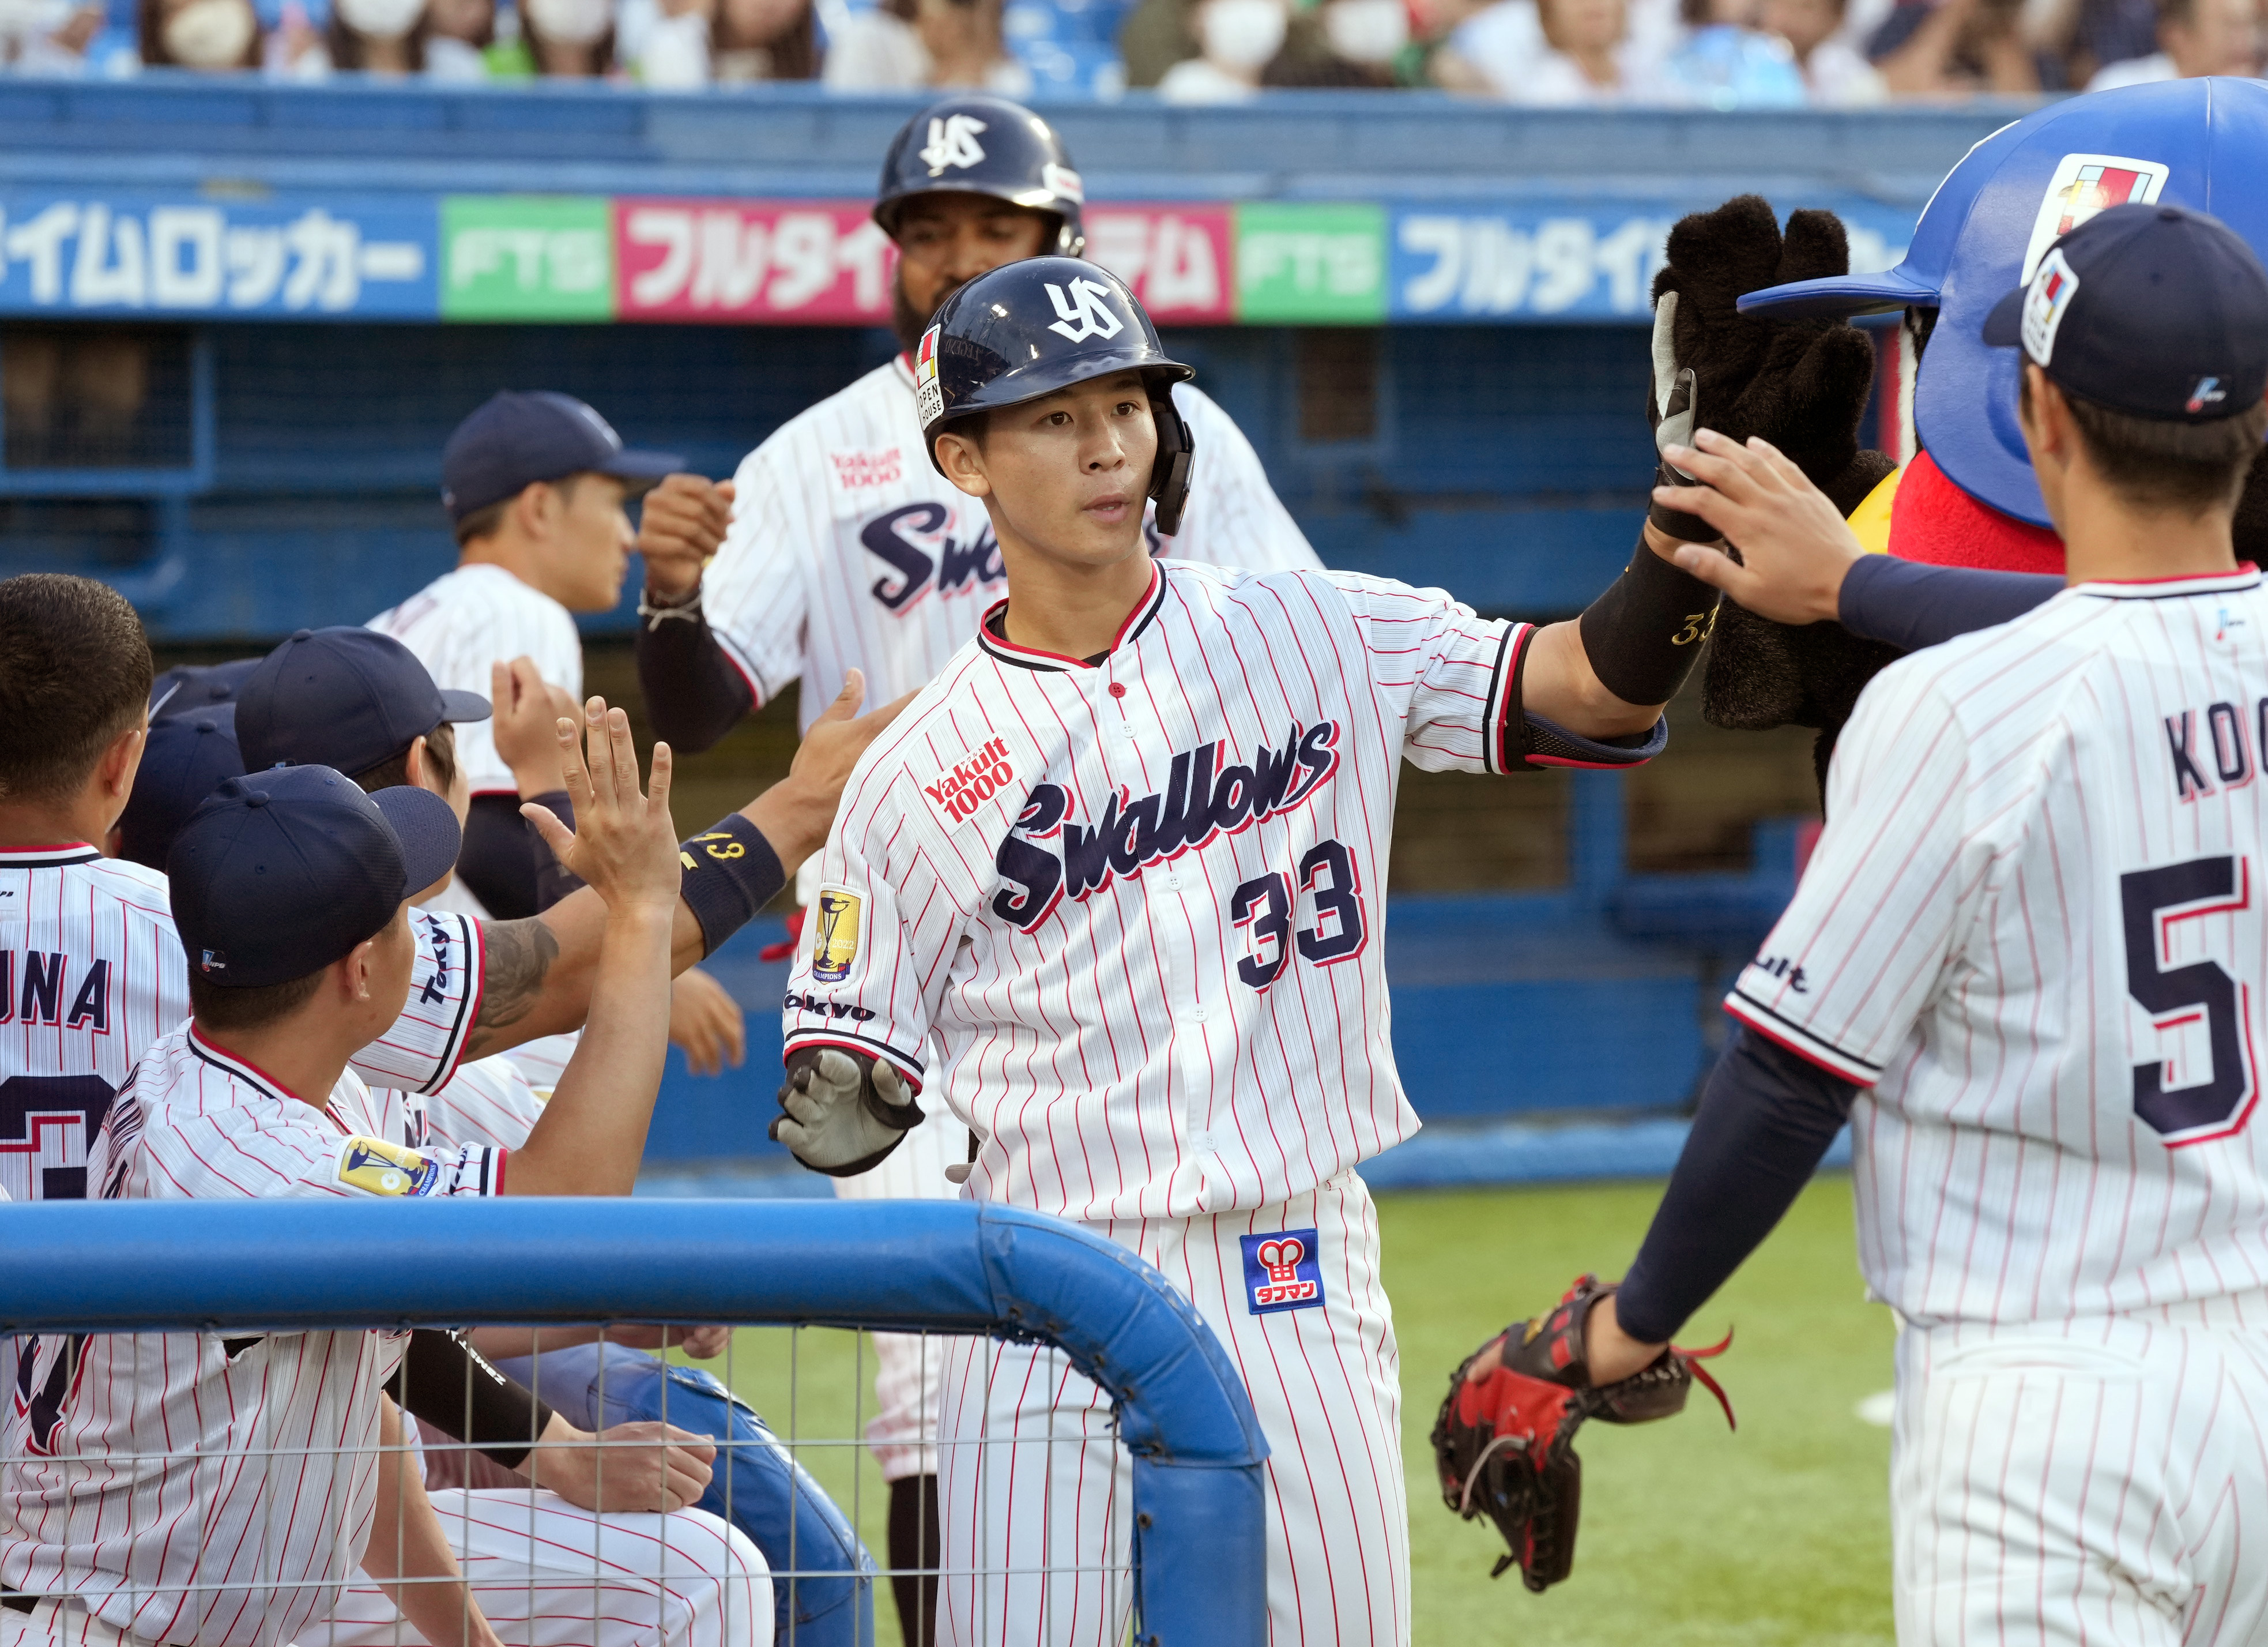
1179 259
118 253
783 263
1302 265
527 257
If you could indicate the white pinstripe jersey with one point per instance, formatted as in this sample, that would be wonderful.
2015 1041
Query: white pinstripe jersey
848 550
205 1537
488 1101
1138 903
91 974
465 621
2029 932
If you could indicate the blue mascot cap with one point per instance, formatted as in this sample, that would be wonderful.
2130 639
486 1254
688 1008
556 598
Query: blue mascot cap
2198 143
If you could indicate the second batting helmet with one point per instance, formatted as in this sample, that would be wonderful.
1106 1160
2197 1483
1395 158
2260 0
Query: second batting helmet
2200 144
975 144
1033 327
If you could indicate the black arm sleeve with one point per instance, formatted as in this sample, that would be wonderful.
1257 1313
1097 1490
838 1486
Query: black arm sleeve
1912 605
504 863
1766 1118
694 696
498 1416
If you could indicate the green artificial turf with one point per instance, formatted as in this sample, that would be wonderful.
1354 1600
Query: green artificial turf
1691 1535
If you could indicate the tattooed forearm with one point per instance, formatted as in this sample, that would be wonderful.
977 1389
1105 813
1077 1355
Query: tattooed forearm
519 955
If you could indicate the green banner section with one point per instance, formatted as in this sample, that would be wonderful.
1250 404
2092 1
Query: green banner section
1311 263
527 257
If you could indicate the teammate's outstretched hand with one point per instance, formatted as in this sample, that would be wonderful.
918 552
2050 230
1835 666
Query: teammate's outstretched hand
526 724
1795 544
681 525
796 813
706 1023
623 844
702 1343
645 1466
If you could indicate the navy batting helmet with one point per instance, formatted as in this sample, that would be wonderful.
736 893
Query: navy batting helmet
975 144
2200 144
1032 327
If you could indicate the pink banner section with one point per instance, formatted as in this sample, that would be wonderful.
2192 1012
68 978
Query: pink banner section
1177 257
791 261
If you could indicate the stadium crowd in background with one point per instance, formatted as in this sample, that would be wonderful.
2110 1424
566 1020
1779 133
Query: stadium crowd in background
1720 53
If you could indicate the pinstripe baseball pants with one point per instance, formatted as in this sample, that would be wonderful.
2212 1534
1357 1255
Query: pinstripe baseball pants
1036 1497
2100 1480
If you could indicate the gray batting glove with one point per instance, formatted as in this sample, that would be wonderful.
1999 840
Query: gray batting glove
841 1118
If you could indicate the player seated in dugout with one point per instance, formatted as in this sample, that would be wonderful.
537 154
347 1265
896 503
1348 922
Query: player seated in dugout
290 887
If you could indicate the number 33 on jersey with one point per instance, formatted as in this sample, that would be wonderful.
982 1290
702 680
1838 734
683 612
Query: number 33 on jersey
1134 901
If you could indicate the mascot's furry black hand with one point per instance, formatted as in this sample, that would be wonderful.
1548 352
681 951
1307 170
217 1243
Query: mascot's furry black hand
1800 384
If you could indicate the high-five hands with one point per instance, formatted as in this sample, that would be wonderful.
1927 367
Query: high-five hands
623 844
1793 543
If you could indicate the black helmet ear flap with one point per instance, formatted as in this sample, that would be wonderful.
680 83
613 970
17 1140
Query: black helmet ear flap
1169 475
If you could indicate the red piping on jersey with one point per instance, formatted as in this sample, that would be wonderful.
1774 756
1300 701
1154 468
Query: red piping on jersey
220 1054
44 857
479 982
865 1049
1786 1045
996 640
2243 568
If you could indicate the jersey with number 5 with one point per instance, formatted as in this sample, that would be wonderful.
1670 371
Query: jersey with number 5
1137 900
2033 932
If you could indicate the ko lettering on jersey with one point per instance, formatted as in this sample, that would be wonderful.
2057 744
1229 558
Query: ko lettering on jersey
94 975
467 620
2033 932
848 550
1147 952
187 1546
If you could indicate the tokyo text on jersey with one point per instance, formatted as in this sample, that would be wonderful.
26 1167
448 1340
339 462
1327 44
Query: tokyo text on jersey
91 974
2036 931
465 620
1147 951
187 1547
848 550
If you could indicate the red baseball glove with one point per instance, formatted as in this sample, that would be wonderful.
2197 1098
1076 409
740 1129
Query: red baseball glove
1505 1444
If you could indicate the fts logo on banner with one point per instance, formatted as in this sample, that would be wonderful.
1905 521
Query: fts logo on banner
1282 1271
838 928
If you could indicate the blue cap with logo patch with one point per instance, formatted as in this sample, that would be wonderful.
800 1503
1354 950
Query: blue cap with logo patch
514 440
2199 144
2152 311
281 873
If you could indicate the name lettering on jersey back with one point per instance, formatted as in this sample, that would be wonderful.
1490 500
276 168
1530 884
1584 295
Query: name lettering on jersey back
856 471
896 538
45 987
1048 855
2221 742
970 782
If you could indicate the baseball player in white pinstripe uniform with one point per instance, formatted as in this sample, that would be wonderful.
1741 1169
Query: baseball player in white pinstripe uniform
1124 861
847 550
290 886
2022 962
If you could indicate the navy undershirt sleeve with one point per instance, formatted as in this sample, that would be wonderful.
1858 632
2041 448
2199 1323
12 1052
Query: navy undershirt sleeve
504 863
1912 605
1766 1118
694 696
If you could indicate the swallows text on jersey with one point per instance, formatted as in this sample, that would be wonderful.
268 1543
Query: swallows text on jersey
1048 855
913 542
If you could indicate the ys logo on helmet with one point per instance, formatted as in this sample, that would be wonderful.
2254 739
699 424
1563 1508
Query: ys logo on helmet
1084 311
953 141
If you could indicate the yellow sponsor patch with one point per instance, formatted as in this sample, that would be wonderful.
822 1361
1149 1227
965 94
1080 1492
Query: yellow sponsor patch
838 922
374 1167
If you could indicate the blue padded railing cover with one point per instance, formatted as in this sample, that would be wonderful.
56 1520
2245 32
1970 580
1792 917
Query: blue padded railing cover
940 1267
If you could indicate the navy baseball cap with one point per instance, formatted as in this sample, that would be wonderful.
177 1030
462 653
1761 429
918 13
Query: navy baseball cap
2153 311
184 760
2200 144
516 438
281 873
187 687
342 697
